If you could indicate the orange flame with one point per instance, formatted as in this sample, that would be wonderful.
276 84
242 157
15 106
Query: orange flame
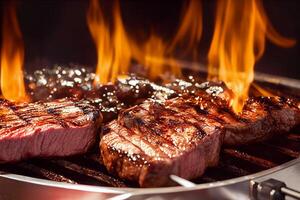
113 49
241 28
122 45
158 55
154 55
262 91
12 57
190 29
116 50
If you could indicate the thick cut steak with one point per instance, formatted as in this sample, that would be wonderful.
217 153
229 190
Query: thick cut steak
58 128
262 118
150 141
183 135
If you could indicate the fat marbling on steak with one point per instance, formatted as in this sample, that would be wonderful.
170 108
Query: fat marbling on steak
58 128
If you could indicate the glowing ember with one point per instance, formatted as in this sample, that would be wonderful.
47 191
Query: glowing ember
241 28
12 57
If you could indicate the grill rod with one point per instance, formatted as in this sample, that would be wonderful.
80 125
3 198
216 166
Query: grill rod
271 189
181 181
284 189
290 192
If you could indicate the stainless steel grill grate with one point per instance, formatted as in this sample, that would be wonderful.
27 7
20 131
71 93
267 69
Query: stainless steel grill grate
235 162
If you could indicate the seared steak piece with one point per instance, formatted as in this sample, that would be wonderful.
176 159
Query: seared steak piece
262 118
150 141
57 128
183 135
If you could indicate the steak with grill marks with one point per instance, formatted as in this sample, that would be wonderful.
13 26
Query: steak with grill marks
148 142
58 128
262 118
183 135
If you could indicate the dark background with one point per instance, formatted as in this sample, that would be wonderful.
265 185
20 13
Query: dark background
55 32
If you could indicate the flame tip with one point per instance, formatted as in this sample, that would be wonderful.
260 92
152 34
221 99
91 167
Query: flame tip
241 28
116 49
12 56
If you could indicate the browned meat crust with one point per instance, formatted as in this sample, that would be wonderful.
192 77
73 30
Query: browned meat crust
183 135
58 128
151 141
263 117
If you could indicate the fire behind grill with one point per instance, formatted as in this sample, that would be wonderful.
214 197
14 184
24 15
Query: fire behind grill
234 162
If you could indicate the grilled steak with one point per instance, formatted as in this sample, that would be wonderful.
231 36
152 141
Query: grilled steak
262 118
183 135
58 128
150 141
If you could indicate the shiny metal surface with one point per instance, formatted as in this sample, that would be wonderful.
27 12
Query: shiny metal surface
278 80
21 187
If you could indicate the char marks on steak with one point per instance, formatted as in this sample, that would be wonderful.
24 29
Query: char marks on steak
183 135
148 142
58 128
262 118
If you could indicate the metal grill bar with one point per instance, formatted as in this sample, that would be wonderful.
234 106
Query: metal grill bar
103 178
33 170
284 150
88 169
294 137
250 158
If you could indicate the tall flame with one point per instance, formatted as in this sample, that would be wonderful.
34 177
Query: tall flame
190 29
12 57
159 54
116 50
122 45
113 49
154 54
241 28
